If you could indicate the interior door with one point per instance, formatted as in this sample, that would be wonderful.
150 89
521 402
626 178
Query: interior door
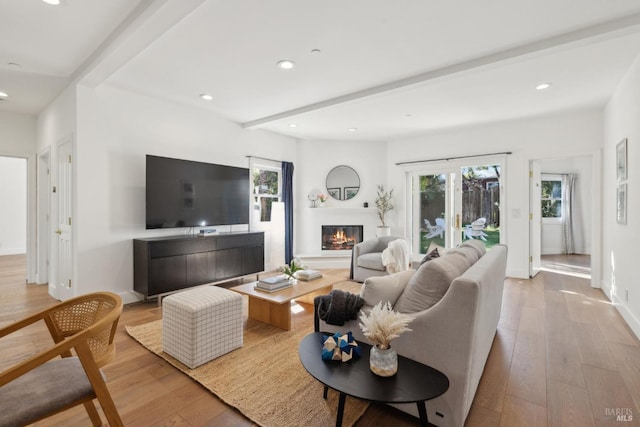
64 226
535 218
43 213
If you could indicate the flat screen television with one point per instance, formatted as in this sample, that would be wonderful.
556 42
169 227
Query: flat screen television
183 193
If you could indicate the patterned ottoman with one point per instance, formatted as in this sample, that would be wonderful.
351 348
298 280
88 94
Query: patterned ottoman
201 324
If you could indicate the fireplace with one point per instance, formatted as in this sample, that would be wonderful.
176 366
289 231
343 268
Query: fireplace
341 237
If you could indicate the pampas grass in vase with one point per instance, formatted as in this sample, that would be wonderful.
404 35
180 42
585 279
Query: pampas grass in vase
380 326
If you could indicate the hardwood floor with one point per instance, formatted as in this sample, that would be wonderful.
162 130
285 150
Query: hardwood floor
579 265
562 356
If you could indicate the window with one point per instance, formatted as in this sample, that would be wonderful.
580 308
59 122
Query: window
492 184
551 197
266 189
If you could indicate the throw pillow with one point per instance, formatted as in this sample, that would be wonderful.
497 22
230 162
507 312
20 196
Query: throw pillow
441 249
431 255
430 283
384 288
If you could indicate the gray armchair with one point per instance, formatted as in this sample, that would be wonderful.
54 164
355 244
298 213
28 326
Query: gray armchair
366 259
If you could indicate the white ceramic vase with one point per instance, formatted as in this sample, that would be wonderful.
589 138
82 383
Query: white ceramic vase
383 231
383 362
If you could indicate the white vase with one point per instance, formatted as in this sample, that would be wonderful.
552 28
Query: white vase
383 363
383 231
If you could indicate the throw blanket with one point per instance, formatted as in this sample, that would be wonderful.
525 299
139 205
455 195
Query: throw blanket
396 256
338 307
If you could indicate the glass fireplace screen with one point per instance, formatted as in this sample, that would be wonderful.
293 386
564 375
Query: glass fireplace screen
341 237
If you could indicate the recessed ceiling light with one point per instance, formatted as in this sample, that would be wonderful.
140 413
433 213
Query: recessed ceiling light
52 2
206 96
14 65
543 86
286 64
3 94
293 125
316 51
353 129
408 115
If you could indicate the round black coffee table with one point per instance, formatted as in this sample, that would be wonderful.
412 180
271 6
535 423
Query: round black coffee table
414 382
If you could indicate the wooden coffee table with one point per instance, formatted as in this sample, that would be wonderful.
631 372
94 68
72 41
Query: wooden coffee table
274 308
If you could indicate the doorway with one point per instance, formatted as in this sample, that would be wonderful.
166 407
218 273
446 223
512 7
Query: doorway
14 214
549 230
452 203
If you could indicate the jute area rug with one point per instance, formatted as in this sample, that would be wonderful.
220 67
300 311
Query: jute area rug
264 379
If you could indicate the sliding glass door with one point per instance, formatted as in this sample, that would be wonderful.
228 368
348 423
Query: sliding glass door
450 204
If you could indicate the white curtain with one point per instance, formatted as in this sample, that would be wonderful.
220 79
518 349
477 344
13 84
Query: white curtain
568 241
275 237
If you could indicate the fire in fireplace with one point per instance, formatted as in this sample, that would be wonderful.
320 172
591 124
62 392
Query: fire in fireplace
341 237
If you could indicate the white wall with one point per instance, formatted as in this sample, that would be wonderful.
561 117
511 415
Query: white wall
17 134
116 129
314 161
13 215
558 135
18 139
57 120
582 215
620 274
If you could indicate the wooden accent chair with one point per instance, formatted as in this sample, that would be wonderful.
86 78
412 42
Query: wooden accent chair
55 379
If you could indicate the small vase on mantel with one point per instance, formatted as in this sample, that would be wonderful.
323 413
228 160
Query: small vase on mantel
383 362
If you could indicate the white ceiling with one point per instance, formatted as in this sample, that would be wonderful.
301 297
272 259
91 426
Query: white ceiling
389 69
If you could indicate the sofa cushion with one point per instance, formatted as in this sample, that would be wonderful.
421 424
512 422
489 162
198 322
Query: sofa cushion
471 254
432 280
371 261
477 245
385 288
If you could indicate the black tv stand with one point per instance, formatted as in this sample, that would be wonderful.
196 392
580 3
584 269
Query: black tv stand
166 264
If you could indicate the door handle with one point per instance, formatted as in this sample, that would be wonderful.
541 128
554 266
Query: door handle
58 232
457 221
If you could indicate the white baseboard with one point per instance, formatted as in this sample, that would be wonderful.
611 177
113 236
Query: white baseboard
326 261
628 316
13 251
130 297
517 274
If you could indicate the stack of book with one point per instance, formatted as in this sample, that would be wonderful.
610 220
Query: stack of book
272 284
308 275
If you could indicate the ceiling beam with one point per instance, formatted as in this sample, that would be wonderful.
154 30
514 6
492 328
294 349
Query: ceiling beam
145 24
603 31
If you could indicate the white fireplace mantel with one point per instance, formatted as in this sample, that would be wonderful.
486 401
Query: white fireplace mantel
339 211
309 231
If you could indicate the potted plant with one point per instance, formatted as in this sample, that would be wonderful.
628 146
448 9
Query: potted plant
290 270
380 326
384 206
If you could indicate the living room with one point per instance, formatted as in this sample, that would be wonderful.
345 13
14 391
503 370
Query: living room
112 128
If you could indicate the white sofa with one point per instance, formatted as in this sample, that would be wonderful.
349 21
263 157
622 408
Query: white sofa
456 333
